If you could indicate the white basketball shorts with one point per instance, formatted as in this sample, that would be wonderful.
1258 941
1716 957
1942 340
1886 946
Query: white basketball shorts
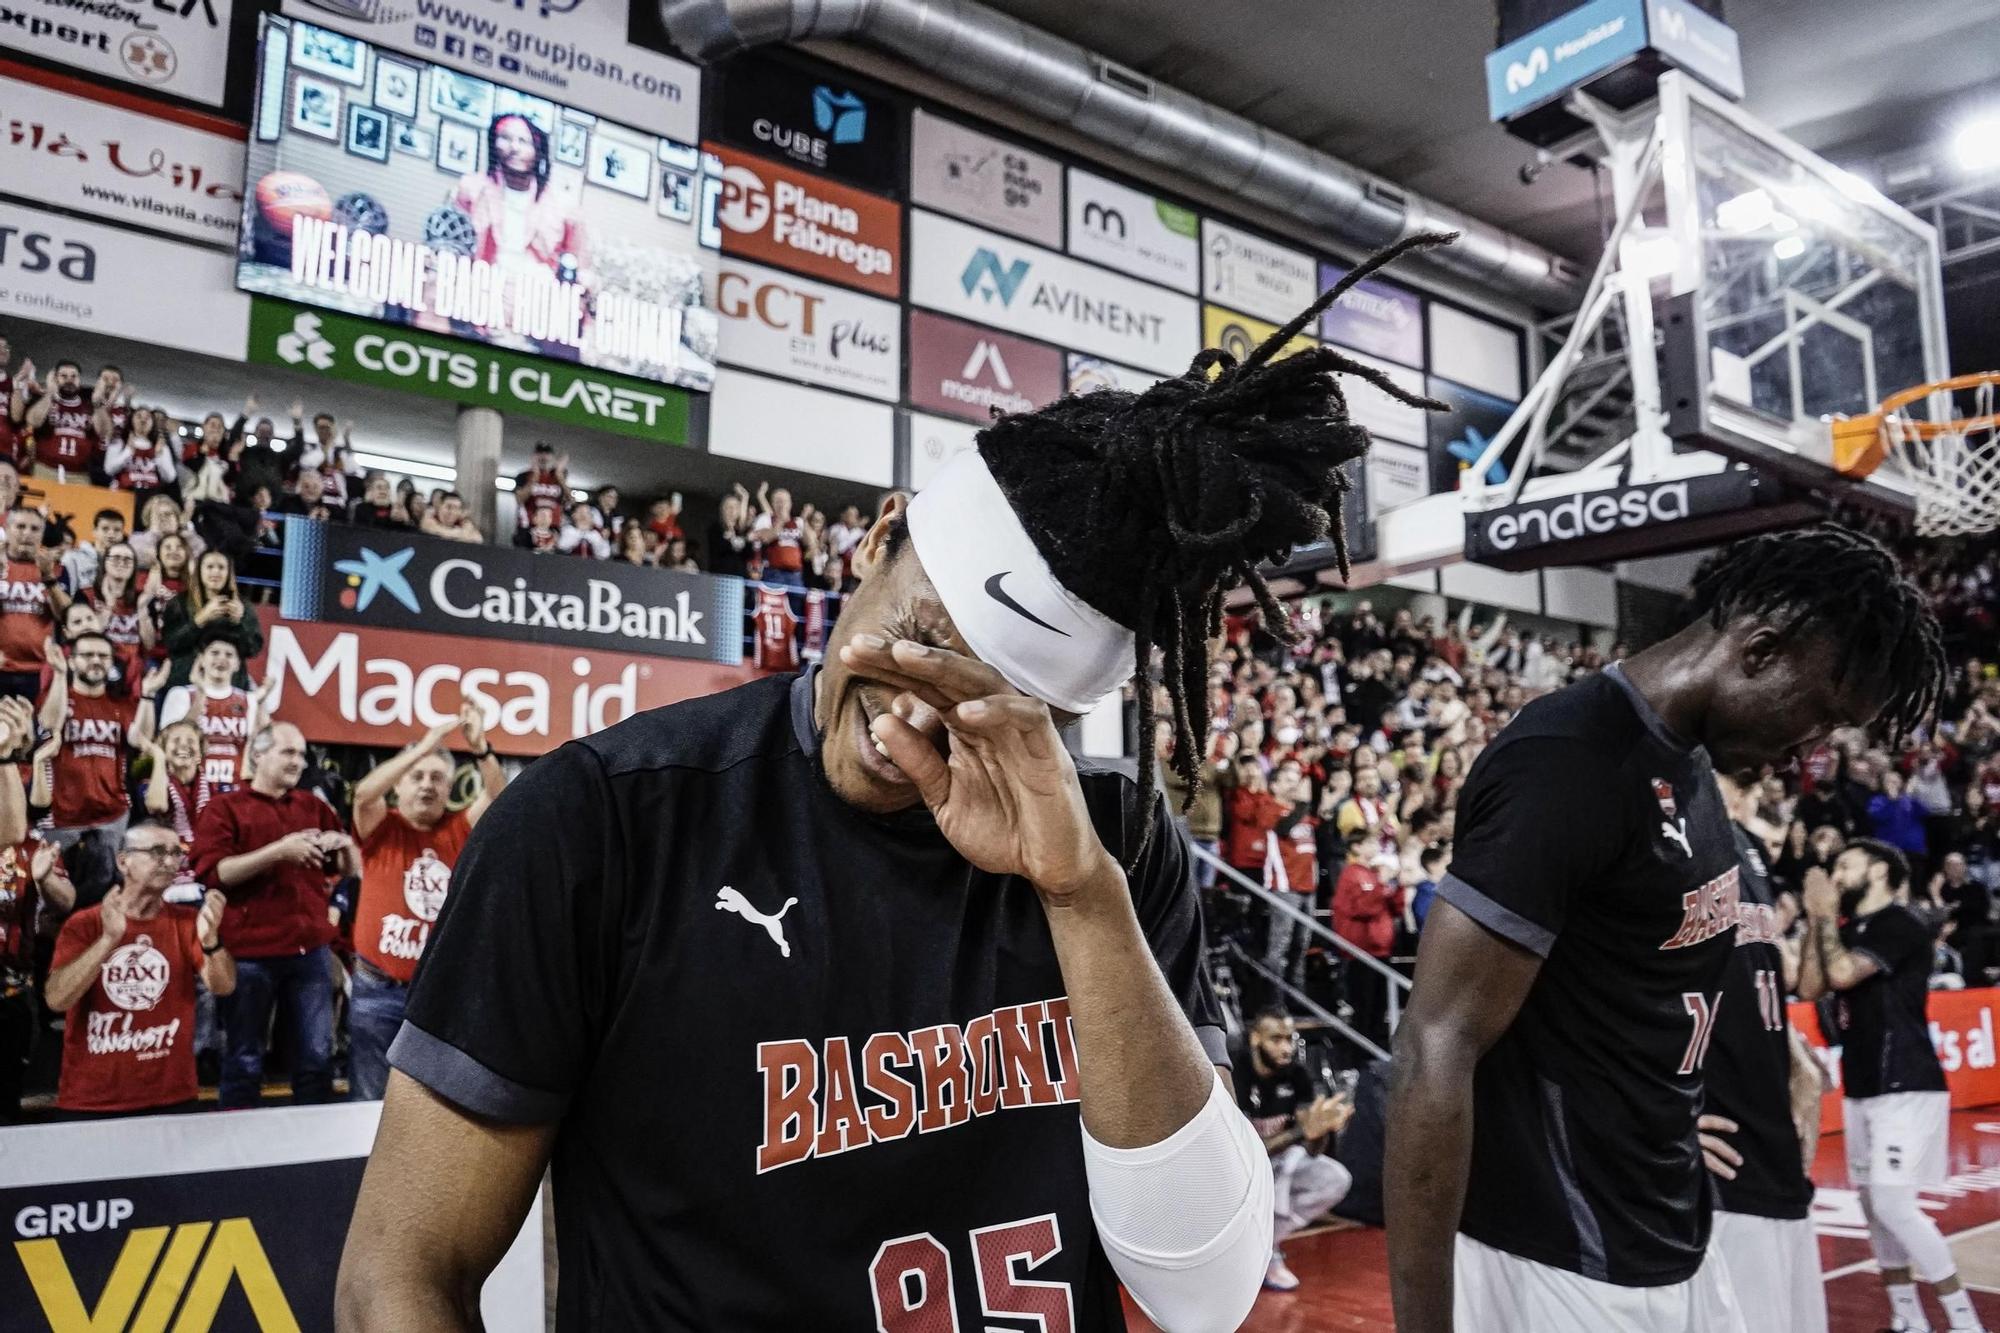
1773 1266
1497 1292
1900 1138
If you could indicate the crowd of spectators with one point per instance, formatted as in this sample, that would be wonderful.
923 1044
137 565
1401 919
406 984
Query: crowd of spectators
1338 752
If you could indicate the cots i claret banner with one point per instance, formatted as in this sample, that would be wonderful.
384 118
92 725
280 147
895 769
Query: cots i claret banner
390 188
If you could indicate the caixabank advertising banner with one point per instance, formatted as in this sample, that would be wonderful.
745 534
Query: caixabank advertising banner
389 580
204 1223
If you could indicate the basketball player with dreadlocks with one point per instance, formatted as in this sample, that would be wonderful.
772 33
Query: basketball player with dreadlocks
849 1000
1896 1108
1574 953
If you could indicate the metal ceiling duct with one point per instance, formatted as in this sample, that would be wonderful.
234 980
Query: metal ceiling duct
1056 80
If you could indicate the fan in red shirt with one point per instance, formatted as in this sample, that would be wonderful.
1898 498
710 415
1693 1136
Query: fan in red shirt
99 730
115 598
782 540
225 713
271 846
1253 813
1365 908
60 422
175 792
544 487
30 874
407 854
124 971
30 597
1291 868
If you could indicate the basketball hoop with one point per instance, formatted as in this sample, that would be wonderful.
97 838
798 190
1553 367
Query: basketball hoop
1953 461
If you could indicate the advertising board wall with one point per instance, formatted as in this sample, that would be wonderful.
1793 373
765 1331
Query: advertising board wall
365 351
821 124
63 270
805 330
69 144
986 180
778 214
1134 232
977 275
178 47
964 370
1246 272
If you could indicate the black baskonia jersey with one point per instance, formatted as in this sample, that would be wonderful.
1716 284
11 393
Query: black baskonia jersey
813 1070
1885 1029
1749 1065
1591 834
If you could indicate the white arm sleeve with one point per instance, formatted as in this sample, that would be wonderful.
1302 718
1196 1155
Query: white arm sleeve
1186 1222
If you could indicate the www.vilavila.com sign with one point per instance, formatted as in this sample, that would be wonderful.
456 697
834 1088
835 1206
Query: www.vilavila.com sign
369 576
394 356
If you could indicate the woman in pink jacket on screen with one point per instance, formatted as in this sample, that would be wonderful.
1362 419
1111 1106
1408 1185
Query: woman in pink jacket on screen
528 226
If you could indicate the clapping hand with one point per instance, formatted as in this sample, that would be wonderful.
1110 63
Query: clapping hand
52 653
155 680
208 926
472 721
298 409
111 914
1821 898
17 724
1326 1115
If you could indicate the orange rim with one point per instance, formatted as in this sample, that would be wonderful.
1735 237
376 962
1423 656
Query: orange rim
1930 430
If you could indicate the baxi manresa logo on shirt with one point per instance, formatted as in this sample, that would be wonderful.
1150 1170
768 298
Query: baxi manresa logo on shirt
425 884
135 976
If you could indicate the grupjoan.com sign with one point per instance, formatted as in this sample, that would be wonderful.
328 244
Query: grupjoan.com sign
393 356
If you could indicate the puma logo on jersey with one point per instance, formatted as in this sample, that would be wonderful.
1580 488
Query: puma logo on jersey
1678 832
729 900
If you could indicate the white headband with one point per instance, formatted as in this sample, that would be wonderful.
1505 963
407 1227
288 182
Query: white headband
1009 608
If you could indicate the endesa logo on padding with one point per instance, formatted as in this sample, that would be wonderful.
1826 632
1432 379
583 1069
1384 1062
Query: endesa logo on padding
771 213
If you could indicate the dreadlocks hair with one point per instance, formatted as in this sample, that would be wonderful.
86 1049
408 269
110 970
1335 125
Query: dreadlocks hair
1151 506
1846 586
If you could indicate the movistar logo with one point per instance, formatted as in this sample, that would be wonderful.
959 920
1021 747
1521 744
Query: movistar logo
304 343
374 573
1521 74
987 278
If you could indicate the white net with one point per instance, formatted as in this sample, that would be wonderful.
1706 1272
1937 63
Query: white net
1953 462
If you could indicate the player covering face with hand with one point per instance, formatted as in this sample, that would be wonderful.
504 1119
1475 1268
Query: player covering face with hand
850 1000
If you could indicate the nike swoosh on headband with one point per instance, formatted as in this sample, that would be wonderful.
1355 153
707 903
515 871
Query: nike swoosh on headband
999 594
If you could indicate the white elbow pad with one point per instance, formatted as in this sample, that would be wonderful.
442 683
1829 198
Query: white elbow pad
1187 1221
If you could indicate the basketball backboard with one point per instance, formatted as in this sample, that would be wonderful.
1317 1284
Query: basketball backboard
1798 292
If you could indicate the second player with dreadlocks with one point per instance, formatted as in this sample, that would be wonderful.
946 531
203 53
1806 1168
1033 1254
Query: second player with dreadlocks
1574 956
850 1000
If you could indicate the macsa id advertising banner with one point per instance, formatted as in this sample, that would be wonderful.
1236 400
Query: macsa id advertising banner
401 190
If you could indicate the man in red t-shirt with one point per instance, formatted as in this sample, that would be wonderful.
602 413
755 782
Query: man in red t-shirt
407 853
543 488
31 595
60 423
100 732
1291 868
124 971
30 874
270 847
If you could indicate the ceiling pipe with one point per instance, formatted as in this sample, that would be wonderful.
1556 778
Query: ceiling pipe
1058 81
